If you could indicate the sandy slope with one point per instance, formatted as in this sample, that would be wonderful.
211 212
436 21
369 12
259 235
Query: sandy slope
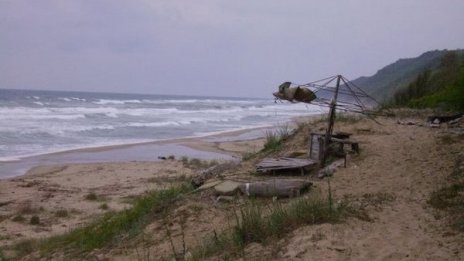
408 162
399 162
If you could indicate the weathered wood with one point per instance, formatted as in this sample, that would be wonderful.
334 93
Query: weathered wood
214 171
269 164
275 187
354 144
317 141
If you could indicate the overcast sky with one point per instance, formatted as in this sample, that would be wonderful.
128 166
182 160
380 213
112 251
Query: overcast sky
213 47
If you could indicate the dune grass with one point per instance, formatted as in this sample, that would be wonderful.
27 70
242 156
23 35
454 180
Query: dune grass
112 228
263 223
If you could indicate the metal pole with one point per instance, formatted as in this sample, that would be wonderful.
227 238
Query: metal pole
331 120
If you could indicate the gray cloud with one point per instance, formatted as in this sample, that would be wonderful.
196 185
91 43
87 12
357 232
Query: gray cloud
229 48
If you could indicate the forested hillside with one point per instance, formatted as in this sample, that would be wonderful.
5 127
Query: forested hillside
397 76
441 87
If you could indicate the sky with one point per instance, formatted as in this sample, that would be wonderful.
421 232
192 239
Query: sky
213 47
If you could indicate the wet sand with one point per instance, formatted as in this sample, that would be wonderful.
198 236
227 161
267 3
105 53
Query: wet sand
205 148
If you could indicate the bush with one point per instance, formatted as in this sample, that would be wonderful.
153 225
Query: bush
91 196
35 220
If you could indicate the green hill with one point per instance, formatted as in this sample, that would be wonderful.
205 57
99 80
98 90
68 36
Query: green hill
394 77
441 88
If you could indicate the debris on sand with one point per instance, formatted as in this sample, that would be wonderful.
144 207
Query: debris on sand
211 172
276 188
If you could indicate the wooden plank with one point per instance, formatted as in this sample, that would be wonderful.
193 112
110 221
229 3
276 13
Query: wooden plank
284 163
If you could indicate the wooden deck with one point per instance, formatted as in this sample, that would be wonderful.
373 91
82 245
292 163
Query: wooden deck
269 164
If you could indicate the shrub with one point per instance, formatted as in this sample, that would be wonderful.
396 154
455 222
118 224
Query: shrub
91 196
35 220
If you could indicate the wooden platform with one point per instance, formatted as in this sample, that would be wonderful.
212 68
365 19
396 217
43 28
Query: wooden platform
269 164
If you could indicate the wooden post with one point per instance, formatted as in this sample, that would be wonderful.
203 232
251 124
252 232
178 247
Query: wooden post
310 145
331 120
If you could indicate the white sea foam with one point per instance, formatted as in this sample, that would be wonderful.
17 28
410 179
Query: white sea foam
105 101
61 122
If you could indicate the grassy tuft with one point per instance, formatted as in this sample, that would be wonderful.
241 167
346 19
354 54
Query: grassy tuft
195 163
273 142
448 197
275 139
104 206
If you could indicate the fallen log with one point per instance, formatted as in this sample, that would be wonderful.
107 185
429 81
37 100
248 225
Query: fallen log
214 171
275 188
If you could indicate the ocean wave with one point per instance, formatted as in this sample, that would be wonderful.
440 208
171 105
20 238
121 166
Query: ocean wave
34 114
154 124
198 101
106 102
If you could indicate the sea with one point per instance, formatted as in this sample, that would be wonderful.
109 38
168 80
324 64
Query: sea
36 122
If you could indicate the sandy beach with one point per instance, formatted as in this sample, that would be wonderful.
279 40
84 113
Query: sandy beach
51 183
401 163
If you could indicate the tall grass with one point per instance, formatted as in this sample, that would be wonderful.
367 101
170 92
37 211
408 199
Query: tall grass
111 228
275 139
260 223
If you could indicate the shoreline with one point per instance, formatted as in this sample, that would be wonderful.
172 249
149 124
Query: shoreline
195 147
203 147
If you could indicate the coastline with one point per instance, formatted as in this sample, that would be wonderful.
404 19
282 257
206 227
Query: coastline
206 147
393 177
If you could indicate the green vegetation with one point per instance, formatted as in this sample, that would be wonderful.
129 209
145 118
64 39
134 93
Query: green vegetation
111 228
259 223
35 220
273 142
388 80
91 196
275 139
194 163
441 88
104 206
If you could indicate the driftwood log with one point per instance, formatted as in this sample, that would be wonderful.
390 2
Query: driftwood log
211 172
275 188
